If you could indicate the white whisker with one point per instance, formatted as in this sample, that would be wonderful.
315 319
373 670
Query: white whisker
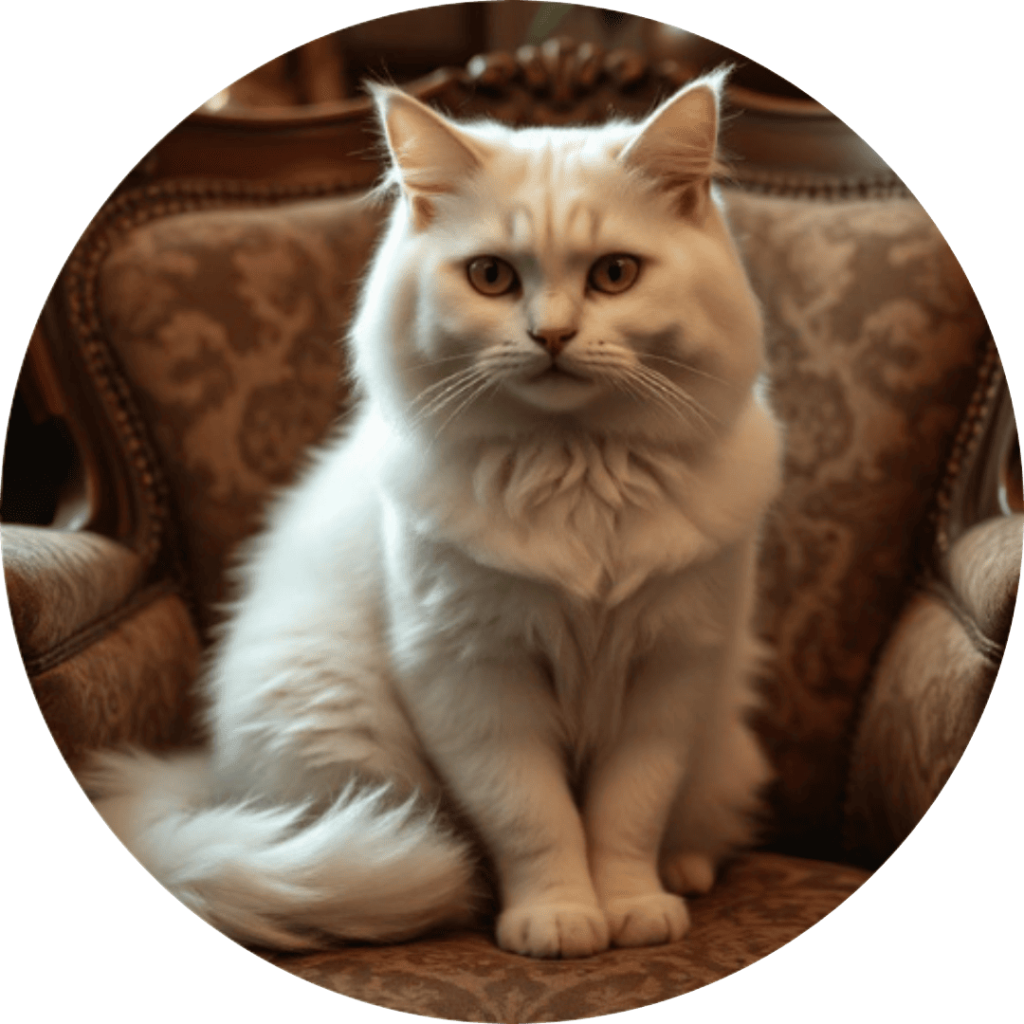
437 362
445 382
452 388
625 385
689 367
485 383
441 385
671 397
684 399
655 394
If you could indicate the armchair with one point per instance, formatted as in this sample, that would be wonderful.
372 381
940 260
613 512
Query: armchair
190 347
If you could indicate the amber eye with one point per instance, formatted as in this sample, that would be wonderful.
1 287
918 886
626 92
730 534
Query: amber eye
491 276
614 273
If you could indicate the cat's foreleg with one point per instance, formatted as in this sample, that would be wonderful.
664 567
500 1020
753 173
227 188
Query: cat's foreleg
630 791
717 809
490 729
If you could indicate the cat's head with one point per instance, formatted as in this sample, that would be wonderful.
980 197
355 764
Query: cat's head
558 278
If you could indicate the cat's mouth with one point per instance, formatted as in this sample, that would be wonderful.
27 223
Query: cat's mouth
555 388
557 372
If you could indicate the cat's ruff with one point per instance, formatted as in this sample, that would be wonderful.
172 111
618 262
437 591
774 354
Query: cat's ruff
518 585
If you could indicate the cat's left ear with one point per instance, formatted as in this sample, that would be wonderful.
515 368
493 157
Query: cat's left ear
677 145
430 155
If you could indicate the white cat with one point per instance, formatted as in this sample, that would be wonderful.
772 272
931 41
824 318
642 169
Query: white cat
516 593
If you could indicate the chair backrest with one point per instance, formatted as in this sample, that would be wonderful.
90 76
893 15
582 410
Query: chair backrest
196 330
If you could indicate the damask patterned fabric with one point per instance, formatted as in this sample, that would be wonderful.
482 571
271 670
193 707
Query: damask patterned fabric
227 323
761 903
874 343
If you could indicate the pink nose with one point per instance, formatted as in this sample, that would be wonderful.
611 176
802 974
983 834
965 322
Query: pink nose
553 339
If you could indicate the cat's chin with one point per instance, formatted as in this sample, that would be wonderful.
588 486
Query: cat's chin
555 390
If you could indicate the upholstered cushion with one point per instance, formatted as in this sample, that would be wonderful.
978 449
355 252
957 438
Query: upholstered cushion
61 582
875 339
111 660
761 903
933 680
982 570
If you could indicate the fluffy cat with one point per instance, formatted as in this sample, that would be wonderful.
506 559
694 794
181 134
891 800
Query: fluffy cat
508 609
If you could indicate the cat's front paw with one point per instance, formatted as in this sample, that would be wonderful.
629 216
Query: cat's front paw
649 920
553 930
687 873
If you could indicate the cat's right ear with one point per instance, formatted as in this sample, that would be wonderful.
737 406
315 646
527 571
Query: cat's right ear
677 145
430 155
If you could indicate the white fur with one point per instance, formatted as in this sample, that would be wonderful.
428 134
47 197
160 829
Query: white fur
520 593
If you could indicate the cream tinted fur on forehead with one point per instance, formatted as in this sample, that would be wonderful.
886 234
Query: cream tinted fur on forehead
518 584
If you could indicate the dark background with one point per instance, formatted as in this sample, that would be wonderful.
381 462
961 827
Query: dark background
91 93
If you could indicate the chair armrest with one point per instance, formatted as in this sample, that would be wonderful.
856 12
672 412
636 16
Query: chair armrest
931 685
111 657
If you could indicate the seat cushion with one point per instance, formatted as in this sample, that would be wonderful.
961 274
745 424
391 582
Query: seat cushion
760 903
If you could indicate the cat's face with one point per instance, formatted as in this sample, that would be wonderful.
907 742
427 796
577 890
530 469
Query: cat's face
551 277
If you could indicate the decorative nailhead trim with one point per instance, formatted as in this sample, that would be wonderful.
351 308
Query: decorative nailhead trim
965 444
782 184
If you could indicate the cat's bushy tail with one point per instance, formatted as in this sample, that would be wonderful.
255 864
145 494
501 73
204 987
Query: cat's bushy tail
367 869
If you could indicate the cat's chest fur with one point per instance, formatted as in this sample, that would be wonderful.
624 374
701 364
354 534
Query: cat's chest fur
593 518
575 514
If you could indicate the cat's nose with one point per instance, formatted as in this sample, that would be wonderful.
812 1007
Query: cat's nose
553 339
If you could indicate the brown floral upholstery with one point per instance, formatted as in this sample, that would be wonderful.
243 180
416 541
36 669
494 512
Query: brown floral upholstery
875 339
762 902
228 325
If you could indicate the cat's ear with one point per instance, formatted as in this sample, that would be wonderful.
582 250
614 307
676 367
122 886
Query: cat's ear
429 154
677 145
